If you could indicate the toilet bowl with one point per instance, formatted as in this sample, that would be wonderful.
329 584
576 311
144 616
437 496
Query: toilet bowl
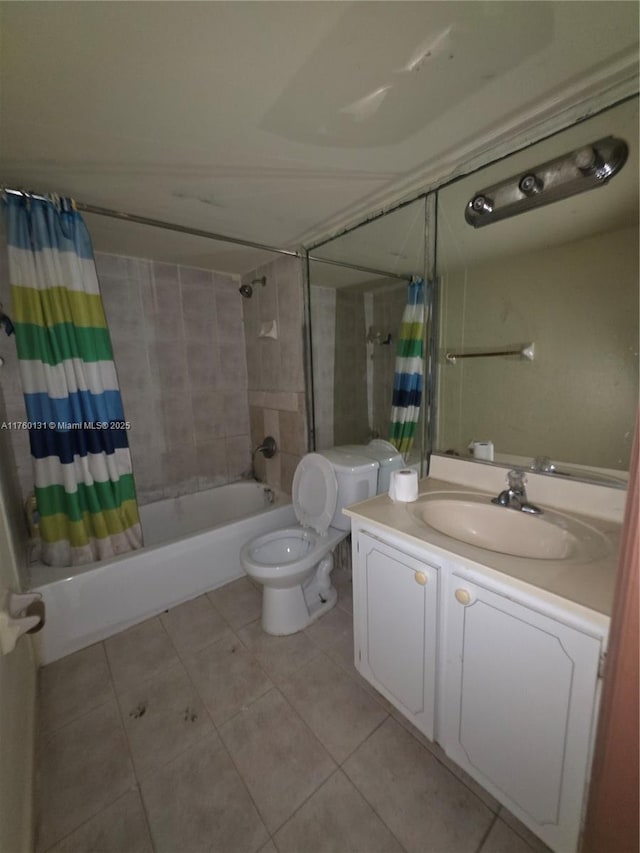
294 564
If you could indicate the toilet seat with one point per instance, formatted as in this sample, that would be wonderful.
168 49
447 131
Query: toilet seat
315 492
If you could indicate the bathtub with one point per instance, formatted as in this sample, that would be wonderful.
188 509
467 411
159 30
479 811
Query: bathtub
192 545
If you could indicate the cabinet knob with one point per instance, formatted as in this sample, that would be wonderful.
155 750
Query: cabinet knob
420 578
463 596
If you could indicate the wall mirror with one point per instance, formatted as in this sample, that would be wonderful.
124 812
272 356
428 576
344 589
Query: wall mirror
355 316
564 278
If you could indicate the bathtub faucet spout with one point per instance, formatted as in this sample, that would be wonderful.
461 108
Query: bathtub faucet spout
268 448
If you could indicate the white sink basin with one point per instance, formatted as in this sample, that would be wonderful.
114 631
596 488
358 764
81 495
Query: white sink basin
473 519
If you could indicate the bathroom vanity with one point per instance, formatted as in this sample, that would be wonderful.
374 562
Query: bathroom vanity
496 656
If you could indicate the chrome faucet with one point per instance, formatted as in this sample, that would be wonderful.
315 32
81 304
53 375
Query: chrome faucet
542 464
515 497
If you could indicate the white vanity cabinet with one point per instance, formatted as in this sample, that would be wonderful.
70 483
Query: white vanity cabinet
396 602
515 676
519 694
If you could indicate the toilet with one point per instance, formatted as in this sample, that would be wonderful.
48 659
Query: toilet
382 452
294 564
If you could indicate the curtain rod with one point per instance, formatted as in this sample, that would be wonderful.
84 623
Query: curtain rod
197 232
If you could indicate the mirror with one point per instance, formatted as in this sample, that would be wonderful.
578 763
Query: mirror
563 277
355 321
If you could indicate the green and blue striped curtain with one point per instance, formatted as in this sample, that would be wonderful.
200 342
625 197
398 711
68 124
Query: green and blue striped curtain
82 465
408 373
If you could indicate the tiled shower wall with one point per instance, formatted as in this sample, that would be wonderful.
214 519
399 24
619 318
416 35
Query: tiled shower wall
351 421
388 308
178 344
323 325
276 367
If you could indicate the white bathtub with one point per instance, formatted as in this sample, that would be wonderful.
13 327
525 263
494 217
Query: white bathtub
192 545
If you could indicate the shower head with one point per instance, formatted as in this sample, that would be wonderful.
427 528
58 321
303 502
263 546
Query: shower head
247 290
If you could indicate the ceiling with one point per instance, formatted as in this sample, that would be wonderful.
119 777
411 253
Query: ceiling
276 122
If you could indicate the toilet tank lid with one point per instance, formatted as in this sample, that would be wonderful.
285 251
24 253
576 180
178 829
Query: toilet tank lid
348 462
385 453
314 492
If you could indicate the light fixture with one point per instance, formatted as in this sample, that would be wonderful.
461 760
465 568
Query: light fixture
583 169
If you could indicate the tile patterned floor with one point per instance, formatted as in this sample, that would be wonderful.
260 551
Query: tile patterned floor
195 732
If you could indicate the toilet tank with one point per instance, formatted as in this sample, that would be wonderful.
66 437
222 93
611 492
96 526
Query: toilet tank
357 478
382 452
389 460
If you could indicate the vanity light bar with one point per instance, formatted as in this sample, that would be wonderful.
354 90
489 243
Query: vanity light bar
583 169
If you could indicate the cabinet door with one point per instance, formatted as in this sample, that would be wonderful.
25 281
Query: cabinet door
395 609
518 707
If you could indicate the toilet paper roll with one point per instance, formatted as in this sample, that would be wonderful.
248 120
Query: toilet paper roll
482 450
404 485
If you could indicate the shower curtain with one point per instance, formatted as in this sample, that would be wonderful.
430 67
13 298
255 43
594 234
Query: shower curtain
407 379
84 485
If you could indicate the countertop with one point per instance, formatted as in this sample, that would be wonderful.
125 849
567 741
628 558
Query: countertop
587 583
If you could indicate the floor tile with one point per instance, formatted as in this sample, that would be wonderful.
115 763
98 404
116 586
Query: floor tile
436 750
269 847
280 657
194 625
281 762
227 677
139 653
162 717
330 628
503 839
82 768
532 841
198 803
120 828
72 686
340 713
422 803
239 602
336 819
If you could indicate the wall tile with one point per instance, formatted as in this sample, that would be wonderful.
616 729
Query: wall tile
135 373
115 266
293 433
272 424
229 311
197 278
257 424
233 365
236 413
267 296
288 464
292 361
269 355
211 461
177 419
202 364
238 457
123 308
162 305
209 415
199 312
169 364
